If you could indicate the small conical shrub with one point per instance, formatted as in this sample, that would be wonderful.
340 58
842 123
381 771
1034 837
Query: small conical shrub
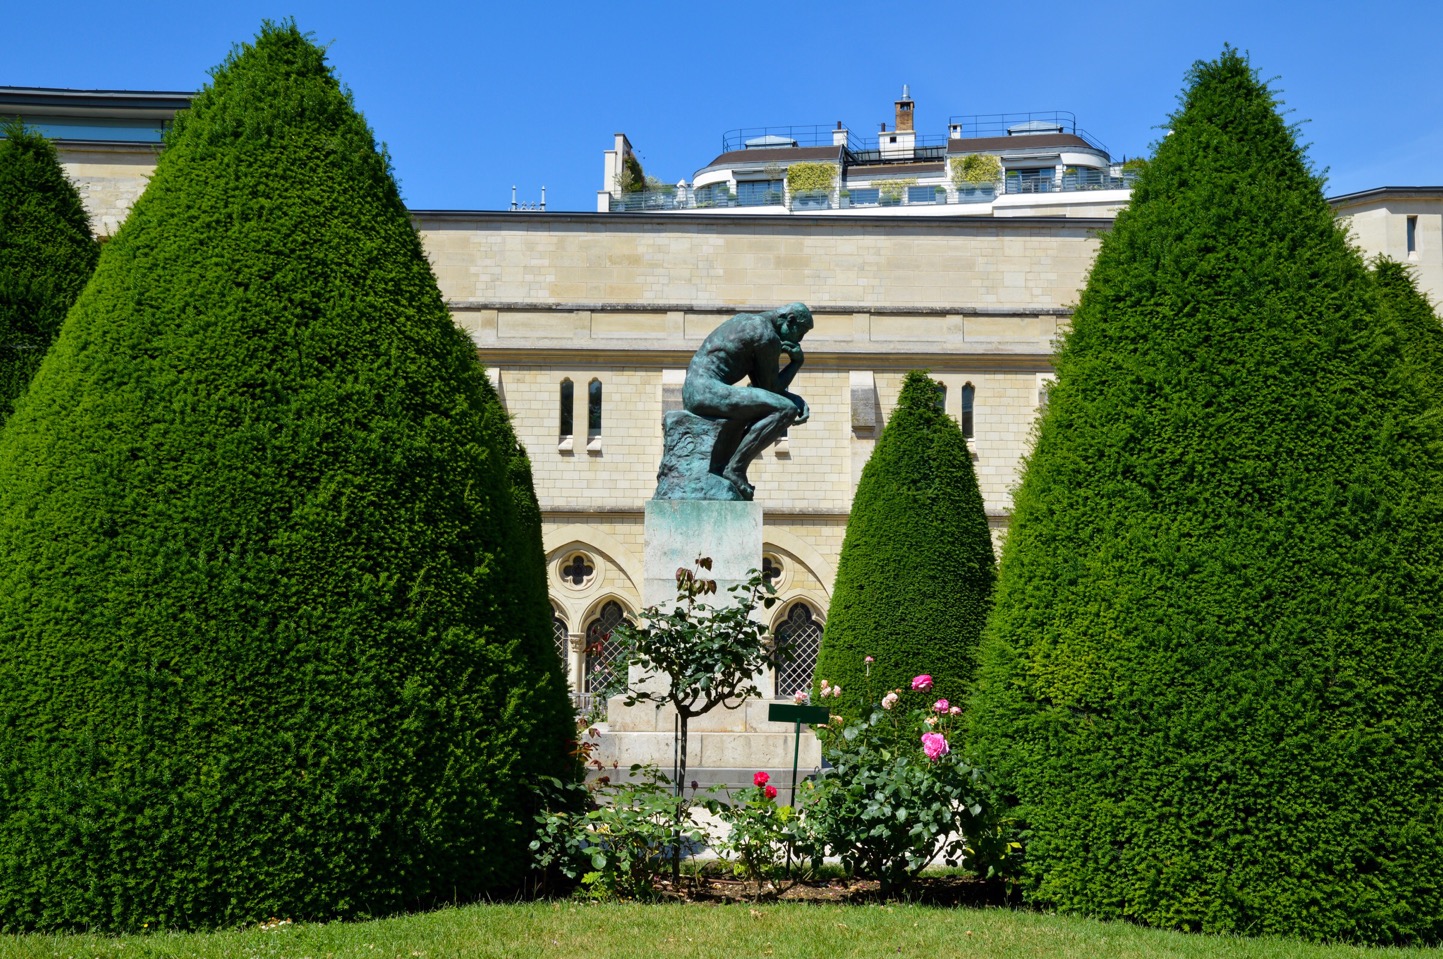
272 639
46 255
1212 678
914 580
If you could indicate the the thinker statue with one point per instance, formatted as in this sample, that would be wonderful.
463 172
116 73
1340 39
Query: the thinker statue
726 423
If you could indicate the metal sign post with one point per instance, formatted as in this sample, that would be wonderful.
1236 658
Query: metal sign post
787 713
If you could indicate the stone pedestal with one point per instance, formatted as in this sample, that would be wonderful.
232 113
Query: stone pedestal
725 745
679 530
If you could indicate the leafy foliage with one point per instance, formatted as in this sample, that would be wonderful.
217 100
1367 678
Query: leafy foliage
273 640
888 810
811 177
914 580
1422 330
1212 679
631 179
760 832
695 657
976 168
46 255
620 841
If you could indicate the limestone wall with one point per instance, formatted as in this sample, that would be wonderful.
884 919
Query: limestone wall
626 300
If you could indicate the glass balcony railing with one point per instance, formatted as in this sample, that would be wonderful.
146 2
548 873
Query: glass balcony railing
708 198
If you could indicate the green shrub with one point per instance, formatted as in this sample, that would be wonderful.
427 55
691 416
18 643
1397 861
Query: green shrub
811 177
896 797
46 255
273 638
617 841
914 580
975 168
1212 676
1406 305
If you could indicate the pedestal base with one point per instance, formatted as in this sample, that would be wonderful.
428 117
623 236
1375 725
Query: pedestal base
730 534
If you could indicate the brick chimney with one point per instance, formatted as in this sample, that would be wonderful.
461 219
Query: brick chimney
904 112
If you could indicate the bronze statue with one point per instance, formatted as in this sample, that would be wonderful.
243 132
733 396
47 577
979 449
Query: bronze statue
726 424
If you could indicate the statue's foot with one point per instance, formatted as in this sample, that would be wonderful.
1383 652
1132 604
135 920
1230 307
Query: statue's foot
739 480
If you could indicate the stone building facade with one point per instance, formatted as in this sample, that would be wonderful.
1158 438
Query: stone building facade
586 322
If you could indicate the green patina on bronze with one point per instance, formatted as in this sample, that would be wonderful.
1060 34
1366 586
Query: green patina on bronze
710 444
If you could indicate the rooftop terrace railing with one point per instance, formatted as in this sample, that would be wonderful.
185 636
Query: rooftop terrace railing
673 200
1008 124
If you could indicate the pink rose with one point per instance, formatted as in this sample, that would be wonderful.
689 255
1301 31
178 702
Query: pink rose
889 700
760 779
955 711
771 792
836 692
802 696
935 745
869 660
922 683
941 706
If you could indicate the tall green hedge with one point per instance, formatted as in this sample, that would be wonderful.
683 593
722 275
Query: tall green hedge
273 640
1213 680
46 255
1407 306
914 581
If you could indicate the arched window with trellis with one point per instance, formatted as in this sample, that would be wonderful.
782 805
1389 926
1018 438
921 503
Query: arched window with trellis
799 637
602 648
561 635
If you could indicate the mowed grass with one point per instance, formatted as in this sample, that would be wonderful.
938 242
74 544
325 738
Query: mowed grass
571 930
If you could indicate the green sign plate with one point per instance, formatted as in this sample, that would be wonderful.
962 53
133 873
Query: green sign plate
787 713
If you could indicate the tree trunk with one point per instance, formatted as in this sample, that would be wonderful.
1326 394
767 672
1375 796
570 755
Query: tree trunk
680 785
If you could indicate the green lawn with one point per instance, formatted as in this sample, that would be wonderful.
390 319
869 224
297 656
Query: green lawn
570 930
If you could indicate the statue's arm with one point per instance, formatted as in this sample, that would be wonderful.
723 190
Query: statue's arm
789 373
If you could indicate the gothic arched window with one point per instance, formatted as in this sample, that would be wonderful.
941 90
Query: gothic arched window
560 634
799 637
969 397
601 648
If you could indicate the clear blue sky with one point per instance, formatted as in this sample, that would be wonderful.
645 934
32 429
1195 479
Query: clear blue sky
474 97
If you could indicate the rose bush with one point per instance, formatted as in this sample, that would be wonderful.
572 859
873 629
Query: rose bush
898 799
761 831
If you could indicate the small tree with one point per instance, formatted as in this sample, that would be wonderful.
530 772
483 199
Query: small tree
696 658
46 255
914 581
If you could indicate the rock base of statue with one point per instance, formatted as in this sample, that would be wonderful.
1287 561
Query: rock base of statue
688 470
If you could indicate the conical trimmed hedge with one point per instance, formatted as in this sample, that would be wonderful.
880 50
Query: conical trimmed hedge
914 580
272 641
1212 679
46 255
1407 306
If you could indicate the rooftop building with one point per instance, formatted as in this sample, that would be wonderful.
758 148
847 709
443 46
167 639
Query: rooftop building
986 165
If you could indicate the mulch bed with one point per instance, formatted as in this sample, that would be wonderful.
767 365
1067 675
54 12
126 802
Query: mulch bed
927 890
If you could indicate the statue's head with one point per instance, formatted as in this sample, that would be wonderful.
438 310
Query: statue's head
792 322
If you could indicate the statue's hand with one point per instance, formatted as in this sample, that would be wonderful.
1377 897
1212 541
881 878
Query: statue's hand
804 415
793 350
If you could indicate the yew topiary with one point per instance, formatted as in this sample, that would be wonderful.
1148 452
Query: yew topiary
914 580
1212 679
1407 306
46 255
273 640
